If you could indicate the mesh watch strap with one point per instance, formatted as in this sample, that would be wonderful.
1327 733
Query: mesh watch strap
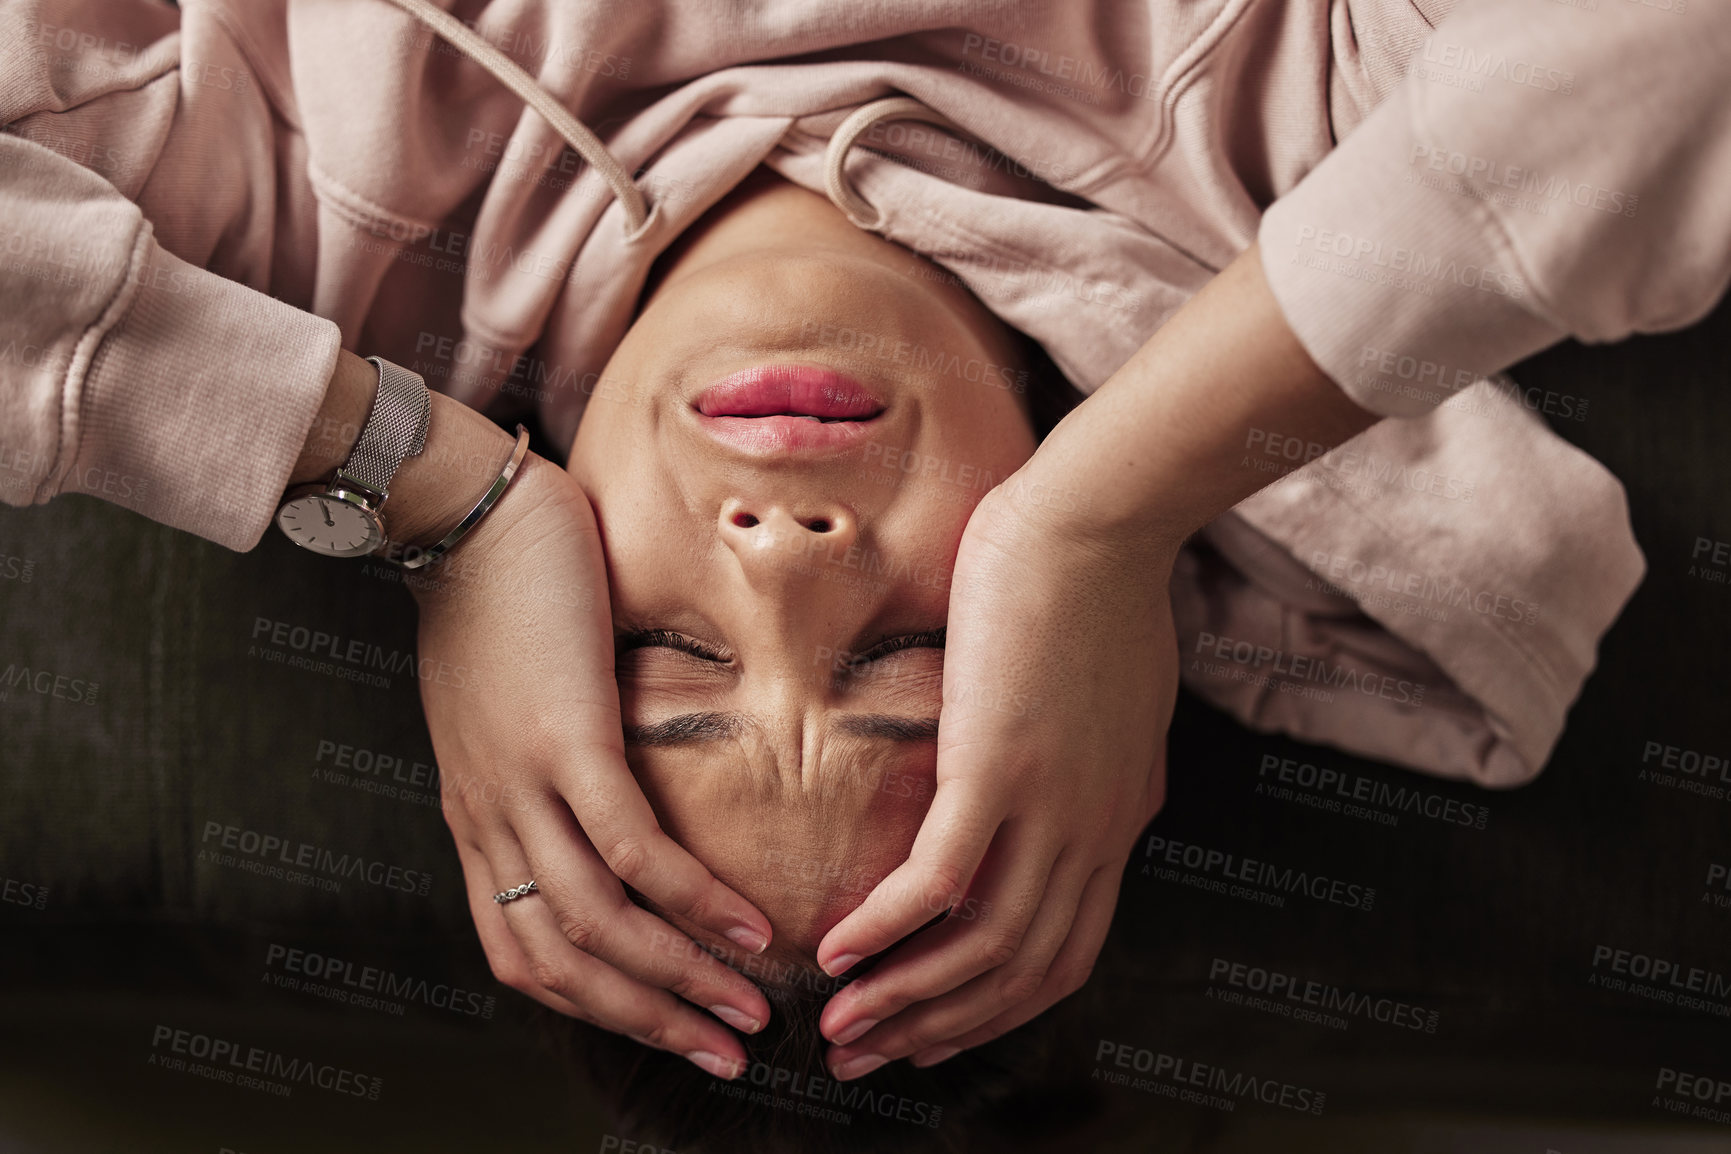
395 429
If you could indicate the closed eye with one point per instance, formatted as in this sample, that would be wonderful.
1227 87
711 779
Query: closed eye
682 643
668 639
929 639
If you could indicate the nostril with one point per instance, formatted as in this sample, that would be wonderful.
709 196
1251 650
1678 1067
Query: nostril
744 520
819 526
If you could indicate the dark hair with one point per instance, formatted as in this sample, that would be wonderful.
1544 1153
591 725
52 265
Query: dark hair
1005 1092
1051 396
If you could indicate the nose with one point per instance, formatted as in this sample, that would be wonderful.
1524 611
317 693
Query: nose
777 541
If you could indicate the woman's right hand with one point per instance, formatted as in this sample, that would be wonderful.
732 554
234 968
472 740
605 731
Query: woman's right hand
516 648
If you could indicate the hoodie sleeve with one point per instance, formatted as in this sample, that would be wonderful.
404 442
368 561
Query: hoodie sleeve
129 371
1547 169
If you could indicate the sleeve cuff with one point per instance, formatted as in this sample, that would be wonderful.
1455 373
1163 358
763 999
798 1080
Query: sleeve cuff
1446 627
1399 287
198 402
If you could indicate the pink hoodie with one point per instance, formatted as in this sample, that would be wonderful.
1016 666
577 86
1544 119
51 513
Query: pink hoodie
201 205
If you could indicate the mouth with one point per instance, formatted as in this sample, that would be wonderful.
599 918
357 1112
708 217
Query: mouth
780 409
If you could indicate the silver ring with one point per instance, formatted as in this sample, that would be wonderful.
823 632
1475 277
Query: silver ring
515 892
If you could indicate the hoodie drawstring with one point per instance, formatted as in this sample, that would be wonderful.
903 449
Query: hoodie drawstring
512 76
589 146
863 118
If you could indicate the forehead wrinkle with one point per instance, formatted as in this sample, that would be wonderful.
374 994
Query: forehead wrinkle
804 856
807 761
757 752
843 765
725 760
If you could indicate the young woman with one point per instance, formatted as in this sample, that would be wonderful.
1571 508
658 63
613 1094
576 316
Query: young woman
180 186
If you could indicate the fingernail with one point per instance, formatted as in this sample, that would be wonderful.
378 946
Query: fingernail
715 1064
749 939
855 1067
854 1031
935 1055
738 1019
836 967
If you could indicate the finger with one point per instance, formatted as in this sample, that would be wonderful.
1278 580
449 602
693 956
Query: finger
455 811
591 906
603 995
992 1004
985 931
592 911
504 956
1070 969
618 822
954 1009
953 839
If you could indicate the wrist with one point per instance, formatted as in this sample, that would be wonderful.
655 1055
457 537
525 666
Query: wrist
483 558
341 416
1078 491
435 489
1158 451
1055 503
430 492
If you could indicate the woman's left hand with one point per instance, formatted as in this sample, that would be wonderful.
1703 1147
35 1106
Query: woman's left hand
1060 673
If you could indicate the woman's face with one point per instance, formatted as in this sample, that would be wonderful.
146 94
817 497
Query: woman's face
779 582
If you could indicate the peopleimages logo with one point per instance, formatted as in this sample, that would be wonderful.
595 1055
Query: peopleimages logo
363 761
1696 1095
268 854
1446 591
1209 864
367 987
222 1060
929 363
1091 74
1198 1078
1307 1000
1671 980
47 683
1686 770
1465 59
1718 878
1544 187
351 658
1269 662
1369 253
30 895
1351 787
811 1095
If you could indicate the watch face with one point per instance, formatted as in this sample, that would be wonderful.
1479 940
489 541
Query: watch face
330 525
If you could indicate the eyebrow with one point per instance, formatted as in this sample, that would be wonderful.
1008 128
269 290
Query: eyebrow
888 727
686 729
694 728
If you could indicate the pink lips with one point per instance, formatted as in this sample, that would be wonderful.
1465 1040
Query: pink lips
767 410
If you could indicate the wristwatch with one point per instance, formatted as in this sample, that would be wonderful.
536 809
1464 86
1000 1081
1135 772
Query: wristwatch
341 518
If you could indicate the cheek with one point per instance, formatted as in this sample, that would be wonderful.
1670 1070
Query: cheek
596 450
655 541
929 520
1001 440
965 456
613 428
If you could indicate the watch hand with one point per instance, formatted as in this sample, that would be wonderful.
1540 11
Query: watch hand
326 510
